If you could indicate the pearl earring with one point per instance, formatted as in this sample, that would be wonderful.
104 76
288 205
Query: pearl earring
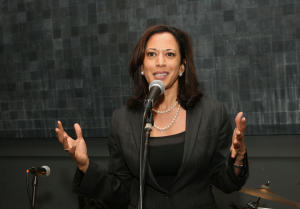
180 74
142 73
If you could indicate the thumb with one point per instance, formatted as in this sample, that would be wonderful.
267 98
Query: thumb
78 130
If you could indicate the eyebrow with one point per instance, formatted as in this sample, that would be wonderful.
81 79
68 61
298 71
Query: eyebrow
164 50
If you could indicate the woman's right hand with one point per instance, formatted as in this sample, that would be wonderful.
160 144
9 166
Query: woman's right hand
76 148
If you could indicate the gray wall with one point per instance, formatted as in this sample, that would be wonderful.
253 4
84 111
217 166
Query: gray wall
67 60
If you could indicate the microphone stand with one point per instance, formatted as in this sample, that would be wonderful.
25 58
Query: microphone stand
148 121
34 185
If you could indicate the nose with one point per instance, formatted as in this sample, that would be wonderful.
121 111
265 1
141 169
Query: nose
160 61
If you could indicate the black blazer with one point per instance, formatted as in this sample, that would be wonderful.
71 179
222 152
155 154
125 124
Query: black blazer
206 162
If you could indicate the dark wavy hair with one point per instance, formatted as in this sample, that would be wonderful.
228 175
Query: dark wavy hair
188 86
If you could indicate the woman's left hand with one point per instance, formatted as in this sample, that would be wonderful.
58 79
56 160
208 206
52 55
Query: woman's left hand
238 147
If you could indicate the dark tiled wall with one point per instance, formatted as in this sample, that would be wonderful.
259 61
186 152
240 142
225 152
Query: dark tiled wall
67 60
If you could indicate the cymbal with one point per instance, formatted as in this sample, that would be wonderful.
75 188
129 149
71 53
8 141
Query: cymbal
265 193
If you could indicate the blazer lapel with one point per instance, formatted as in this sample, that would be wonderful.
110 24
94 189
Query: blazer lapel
137 128
193 119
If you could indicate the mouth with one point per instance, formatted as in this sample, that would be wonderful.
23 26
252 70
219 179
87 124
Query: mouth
160 75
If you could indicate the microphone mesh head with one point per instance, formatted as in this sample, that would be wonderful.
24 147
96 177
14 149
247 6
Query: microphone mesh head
47 168
159 84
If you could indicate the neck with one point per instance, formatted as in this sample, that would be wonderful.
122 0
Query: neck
166 100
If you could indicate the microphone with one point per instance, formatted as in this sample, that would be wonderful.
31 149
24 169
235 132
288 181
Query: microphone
39 171
156 88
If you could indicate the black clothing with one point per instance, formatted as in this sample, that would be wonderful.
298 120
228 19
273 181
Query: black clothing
165 157
206 161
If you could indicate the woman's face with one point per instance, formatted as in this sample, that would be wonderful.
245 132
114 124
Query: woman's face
163 60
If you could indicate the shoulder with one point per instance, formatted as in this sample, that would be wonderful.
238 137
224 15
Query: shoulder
125 115
211 110
124 119
209 105
125 111
211 114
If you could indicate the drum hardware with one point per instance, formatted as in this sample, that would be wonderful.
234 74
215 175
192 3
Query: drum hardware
265 193
254 204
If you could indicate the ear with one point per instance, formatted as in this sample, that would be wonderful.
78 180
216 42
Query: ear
182 66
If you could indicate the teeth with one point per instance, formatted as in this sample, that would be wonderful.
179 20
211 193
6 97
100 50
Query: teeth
161 74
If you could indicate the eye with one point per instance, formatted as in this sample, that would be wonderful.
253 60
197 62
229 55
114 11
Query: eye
171 54
151 54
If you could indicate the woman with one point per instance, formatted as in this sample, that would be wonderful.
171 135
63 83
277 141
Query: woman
189 148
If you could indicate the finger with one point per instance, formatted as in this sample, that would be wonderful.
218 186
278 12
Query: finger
81 146
66 144
237 135
237 139
236 145
242 124
238 118
237 132
60 132
72 150
60 138
78 130
59 125
233 153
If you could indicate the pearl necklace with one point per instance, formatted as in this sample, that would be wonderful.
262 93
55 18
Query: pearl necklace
170 124
167 110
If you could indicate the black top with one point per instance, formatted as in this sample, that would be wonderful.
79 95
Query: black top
165 157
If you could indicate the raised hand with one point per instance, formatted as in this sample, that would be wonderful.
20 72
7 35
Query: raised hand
238 147
75 147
